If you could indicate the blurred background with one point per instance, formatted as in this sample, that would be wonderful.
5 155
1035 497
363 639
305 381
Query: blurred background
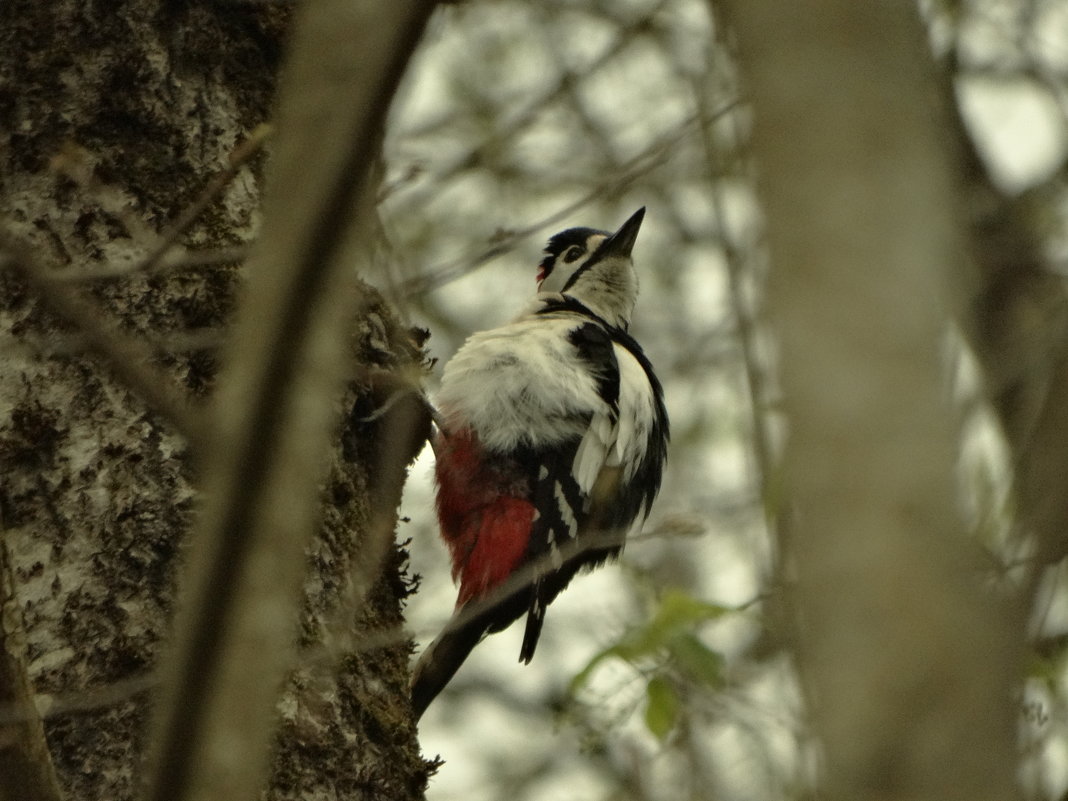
665 677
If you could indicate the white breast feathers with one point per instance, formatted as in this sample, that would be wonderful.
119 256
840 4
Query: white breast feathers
520 384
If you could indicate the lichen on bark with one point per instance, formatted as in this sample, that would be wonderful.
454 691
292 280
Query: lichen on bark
113 117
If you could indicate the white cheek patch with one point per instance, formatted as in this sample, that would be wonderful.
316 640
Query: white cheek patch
563 270
593 242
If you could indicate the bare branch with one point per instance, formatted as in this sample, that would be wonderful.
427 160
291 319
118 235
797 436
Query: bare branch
276 404
241 154
130 359
628 173
162 255
341 640
174 260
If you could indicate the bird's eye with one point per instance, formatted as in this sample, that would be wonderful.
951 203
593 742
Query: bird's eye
572 253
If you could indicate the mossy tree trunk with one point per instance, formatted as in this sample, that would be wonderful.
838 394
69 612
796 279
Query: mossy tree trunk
113 120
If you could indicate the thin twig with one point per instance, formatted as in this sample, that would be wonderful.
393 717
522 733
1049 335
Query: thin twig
130 359
525 116
776 518
73 163
652 157
175 260
241 154
326 654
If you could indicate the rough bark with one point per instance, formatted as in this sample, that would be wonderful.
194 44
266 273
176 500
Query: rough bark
274 416
25 763
908 666
113 117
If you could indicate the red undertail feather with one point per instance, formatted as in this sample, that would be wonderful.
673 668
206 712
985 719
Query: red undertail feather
484 514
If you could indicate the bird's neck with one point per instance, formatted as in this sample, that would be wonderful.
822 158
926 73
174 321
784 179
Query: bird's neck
610 295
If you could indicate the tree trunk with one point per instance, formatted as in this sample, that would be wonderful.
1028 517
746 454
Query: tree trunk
113 119
908 666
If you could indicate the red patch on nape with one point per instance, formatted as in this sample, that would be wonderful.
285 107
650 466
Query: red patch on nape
483 511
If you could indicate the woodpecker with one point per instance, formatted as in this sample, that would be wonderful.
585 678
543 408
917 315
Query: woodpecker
552 442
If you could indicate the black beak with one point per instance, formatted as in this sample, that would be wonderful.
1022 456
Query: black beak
621 242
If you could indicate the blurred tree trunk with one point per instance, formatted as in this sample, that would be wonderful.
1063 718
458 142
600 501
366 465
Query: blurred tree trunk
113 118
908 667
1018 328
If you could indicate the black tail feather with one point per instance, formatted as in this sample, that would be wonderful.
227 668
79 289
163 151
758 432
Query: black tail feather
535 618
442 658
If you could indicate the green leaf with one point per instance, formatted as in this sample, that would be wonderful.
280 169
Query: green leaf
661 707
697 660
676 615
678 609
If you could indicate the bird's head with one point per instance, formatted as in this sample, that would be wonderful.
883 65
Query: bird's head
595 268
